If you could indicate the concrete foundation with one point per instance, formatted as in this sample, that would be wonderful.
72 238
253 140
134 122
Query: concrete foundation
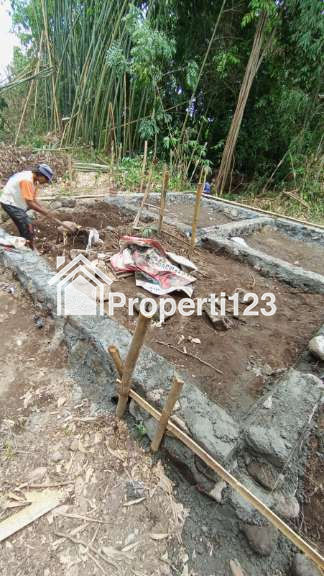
261 450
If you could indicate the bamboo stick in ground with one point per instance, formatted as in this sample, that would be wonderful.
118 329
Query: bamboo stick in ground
114 353
196 215
143 167
144 199
142 325
275 520
166 413
163 197
70 169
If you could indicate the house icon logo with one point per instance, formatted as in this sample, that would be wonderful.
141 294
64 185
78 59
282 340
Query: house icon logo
79 286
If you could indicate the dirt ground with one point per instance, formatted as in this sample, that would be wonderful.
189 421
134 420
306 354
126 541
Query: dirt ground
118 513
311 520
305 254
247 362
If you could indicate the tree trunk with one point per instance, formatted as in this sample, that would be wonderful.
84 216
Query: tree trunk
252 67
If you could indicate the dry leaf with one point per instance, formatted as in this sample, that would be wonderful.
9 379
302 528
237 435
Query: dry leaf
236 568
159 536
129 547
88 475
61 401
194 340
120 454
117 555
98 437
132 502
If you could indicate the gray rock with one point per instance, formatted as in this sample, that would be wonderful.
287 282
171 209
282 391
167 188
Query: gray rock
74 446
68 202
268 442
286 506
217 492
273 431
302 566
38 474
135 489
56 456
263 473
316 347
261 539
56 204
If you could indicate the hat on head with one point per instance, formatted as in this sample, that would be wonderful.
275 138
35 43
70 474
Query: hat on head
46 171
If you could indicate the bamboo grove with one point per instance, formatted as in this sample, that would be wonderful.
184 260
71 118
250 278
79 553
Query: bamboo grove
196 79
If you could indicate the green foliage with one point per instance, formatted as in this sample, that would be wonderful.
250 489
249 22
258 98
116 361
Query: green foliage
127 72
225 60
192 73
116 59
150 50
3 107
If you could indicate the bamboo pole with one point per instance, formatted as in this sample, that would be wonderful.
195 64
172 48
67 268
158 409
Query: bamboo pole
114 353
292 536
303 546
144 199
196 215
261 211
143 166
166 413
142 325
70 169
163 197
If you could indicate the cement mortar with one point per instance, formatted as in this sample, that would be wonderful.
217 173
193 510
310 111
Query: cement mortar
268 265
274 432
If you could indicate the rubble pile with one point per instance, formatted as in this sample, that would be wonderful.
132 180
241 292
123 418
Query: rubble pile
16 158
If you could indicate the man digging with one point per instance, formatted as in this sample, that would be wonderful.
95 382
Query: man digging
19 196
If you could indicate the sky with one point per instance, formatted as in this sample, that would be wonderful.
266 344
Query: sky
7 39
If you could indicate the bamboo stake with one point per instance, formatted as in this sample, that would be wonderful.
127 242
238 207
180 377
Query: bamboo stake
70 169
196 215
166 413
114 353
142 325
143 166
313 554
144 199
163 197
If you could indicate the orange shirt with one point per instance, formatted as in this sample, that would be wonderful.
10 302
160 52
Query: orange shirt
27 190
19 189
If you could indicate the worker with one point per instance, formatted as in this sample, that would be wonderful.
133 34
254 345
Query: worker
19 196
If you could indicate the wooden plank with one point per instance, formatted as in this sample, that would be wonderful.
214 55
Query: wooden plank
42 502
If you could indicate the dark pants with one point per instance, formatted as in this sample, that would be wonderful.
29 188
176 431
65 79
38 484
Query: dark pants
21 219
